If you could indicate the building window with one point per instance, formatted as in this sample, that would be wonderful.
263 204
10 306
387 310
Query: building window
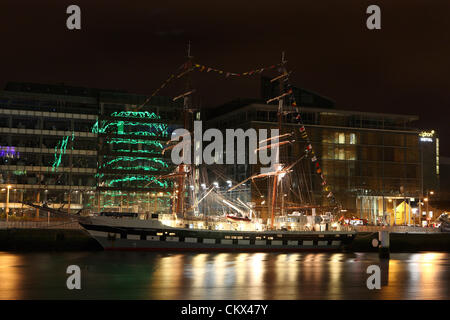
437 155
341 154
342 138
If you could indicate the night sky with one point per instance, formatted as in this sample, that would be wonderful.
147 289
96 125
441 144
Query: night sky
135 45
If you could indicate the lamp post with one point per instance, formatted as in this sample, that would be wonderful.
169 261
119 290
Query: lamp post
7 204
427 200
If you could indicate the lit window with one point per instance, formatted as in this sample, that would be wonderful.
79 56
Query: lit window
352 138
342 137
437 155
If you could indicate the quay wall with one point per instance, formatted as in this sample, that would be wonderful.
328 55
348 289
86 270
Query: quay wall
404 242
34 239
47 240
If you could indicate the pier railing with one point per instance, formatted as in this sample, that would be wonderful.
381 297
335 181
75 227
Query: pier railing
396 229
68 224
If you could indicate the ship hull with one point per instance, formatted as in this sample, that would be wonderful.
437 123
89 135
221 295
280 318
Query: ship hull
161 238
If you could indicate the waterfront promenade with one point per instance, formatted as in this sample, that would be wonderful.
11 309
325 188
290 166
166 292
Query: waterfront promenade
59 224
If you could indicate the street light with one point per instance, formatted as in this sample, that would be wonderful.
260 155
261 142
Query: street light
431 192
7 204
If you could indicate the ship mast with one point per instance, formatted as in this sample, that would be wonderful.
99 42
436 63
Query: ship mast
280 118
188 119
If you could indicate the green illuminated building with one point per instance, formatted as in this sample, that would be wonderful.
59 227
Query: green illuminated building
85 147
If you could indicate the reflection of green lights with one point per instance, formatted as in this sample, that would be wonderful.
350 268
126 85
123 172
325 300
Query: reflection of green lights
136 141
132 159
121 135
116 199
144 168
135 114
62 145
120 126
134 151
162 184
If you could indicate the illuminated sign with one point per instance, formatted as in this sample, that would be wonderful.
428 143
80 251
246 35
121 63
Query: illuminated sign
427 134
437 155
8 152
426 139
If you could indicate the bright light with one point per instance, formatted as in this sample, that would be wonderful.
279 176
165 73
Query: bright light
216 184
426 199
9 187
427 133
431 192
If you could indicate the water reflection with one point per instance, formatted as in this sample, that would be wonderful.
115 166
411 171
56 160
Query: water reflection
10 276
224 276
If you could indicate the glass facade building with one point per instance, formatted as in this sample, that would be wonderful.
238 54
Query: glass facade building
372 162
75 147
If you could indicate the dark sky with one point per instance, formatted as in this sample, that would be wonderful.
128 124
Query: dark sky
135 45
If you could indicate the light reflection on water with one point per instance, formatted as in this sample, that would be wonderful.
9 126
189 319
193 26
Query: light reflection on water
120 275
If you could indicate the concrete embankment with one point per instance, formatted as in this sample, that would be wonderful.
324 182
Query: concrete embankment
404 242
79 240
46 240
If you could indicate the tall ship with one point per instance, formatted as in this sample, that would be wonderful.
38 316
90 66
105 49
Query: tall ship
203 218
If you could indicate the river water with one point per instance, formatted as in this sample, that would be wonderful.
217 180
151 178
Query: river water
137 275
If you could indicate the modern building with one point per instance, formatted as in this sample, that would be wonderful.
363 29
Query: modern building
95 149
75 147
372 162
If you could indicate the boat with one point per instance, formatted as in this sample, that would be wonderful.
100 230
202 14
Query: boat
131 233
187 228
444 220
235 218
